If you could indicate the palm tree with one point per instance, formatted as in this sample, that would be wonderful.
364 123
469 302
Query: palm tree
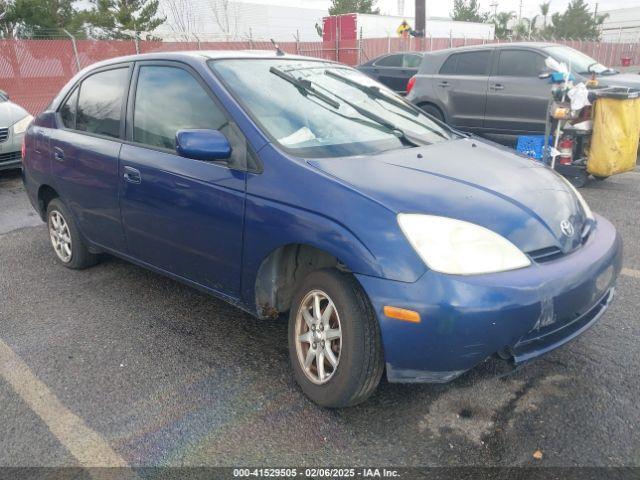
501 21
544 10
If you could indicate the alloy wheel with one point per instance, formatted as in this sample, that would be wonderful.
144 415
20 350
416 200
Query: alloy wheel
318 336
60 236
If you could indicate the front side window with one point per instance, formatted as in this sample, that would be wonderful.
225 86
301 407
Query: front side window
68 110
520 63
169 99
473 63
320 109
100 102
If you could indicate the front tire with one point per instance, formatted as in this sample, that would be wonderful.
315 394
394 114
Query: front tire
334 340
68 246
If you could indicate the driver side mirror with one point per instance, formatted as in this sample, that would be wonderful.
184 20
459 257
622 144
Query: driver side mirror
203 144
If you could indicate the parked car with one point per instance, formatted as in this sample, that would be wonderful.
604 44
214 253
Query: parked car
496 89
14 121
288 184
393 70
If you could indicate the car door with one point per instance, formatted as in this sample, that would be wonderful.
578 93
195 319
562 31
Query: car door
461 86
84 151
181 215
389 71
517 98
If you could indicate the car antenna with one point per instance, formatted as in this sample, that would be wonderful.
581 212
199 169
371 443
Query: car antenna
279 51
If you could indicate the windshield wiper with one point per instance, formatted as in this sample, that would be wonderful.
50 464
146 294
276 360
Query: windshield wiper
374 92
402 135
304 86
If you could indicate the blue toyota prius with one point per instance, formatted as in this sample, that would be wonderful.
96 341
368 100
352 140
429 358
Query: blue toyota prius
288 184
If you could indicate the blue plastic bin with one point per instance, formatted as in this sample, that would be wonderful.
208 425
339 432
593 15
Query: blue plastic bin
532 145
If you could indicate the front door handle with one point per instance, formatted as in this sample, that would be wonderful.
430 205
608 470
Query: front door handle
132 175
58 154
497 86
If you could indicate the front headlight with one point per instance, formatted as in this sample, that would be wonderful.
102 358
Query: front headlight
21 125
456 247
583 203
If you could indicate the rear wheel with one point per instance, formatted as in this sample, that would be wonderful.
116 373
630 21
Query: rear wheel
433 111
334 340
67 244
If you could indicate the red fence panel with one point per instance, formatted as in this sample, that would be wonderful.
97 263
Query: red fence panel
33 71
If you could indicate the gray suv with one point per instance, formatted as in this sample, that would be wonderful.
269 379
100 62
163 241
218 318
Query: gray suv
495 89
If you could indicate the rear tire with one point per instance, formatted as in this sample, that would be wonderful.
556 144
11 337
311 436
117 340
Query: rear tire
351 364
433 111
68 246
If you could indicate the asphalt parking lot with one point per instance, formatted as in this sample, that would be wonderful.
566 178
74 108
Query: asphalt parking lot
119 366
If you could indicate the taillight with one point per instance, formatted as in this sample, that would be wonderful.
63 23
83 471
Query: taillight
23 149
411 83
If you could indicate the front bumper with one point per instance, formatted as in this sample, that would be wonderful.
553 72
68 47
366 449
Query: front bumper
522 313
10 151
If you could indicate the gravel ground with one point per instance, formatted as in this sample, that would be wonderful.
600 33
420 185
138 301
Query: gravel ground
168 376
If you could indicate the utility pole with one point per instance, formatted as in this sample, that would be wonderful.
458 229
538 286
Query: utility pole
421 15
520 13
495 9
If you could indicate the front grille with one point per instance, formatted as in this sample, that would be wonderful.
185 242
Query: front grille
10 157
546 254
4 134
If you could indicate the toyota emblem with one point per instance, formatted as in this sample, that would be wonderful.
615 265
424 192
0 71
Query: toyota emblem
567 228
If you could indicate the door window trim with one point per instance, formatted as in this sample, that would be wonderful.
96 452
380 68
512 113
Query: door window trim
252 157
77 86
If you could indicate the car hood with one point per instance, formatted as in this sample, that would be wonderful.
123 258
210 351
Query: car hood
471 180
620 80
10 113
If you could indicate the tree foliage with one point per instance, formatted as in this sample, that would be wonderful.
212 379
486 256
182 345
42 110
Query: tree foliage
576 22
338 7
468 11
123 18
104 18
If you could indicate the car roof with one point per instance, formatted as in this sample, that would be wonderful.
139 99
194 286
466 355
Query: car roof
187 55
493 45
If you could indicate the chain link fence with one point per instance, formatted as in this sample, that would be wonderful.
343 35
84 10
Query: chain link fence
33 71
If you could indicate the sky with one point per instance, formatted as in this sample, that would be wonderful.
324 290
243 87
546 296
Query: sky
443 8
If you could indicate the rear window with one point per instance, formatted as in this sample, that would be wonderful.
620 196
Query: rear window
520 63
468 63
100 102
390 61
412 61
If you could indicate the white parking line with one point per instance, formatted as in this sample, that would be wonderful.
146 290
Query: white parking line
629 272
86 445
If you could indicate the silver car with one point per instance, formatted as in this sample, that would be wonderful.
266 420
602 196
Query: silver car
14 121
496 89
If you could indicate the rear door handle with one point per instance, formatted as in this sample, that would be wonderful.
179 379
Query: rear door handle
58 154
497 86
132 175
444 84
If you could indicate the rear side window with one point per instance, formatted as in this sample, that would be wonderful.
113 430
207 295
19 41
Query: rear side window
68 110
100 102
468 63
390 61
412 61
169 99
520 63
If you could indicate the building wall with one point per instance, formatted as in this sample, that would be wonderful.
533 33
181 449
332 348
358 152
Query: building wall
622 25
